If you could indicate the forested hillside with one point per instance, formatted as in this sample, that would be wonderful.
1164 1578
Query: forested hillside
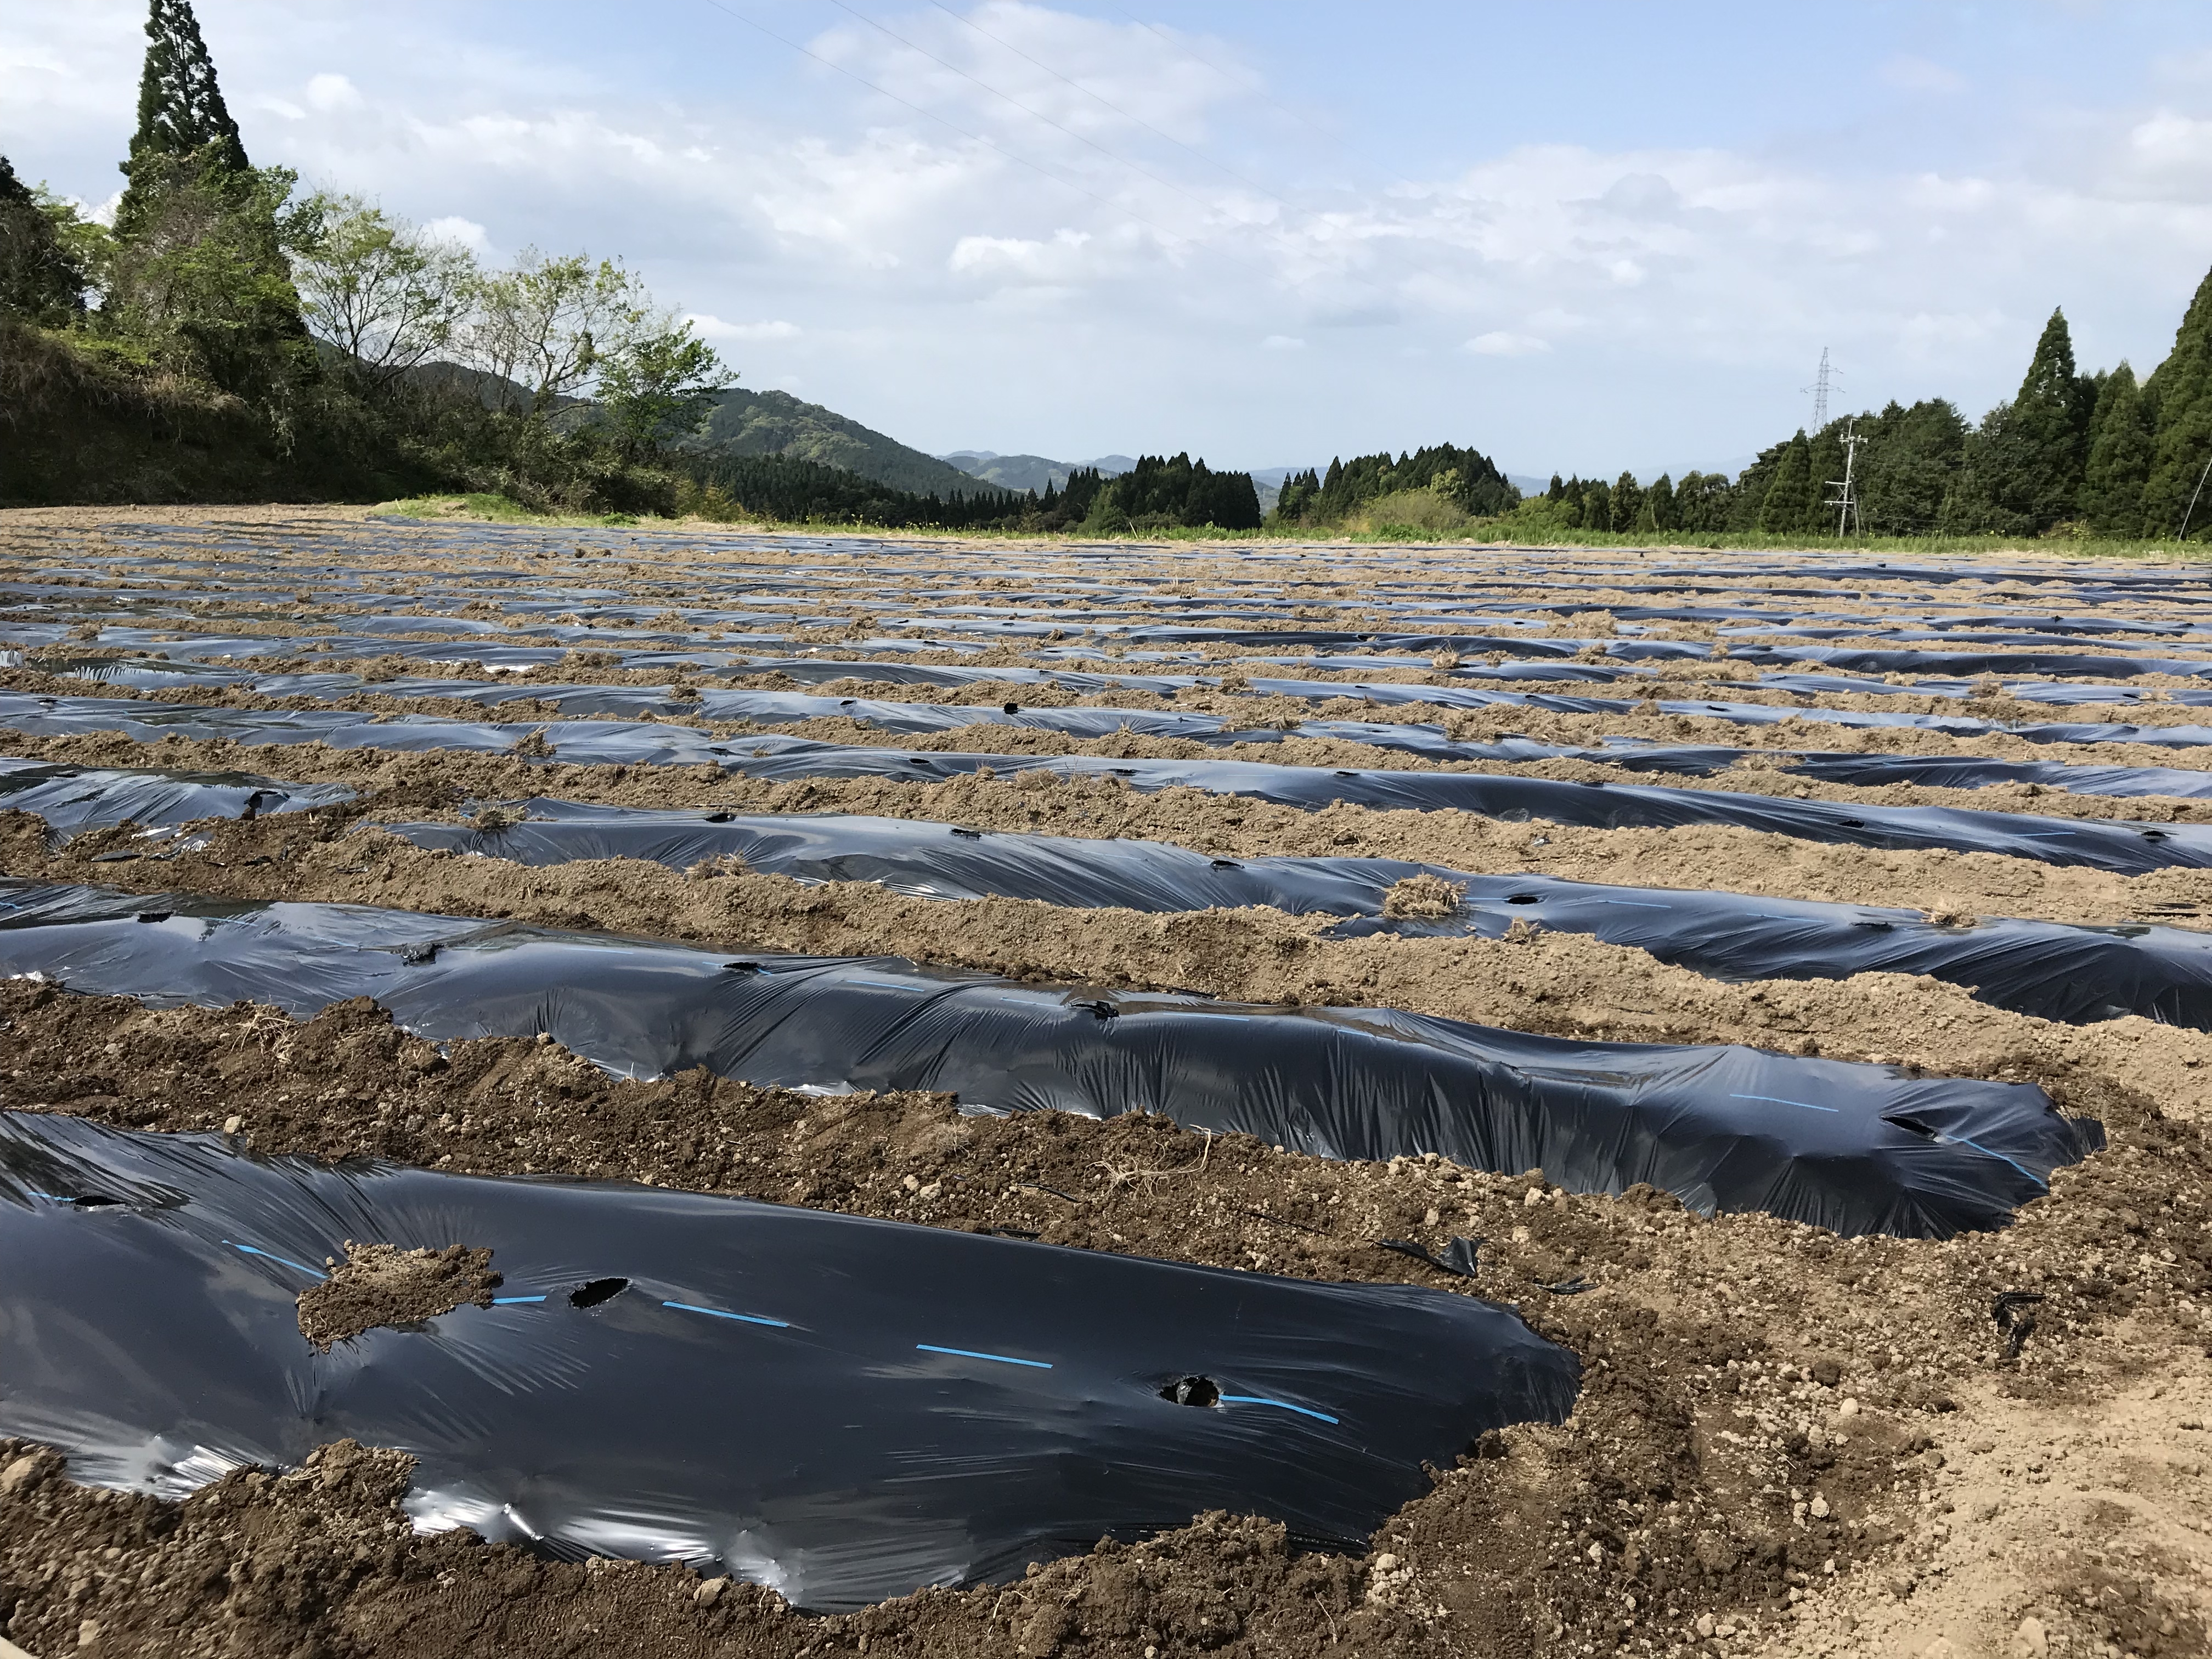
742 423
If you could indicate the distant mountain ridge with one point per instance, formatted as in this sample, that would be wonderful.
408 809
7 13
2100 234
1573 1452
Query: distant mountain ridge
776 424
1031 471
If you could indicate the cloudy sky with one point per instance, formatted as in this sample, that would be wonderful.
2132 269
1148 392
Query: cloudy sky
1578 234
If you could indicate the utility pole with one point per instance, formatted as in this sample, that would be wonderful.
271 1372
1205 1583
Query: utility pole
2182 534
1846 500
1819 391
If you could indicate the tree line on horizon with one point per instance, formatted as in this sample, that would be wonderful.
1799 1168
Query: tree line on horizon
2097 454
1425 489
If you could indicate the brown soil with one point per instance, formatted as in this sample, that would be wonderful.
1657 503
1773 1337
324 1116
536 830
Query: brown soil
1423 896
1787 1443
1742 861
1565 984
384 1284
1738 1370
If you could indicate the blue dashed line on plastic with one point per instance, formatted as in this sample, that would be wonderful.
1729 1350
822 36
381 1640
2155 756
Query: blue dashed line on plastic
1778 1100
970 1353
1261 1399
1632 904
272 1255
509 1301
724 1312
2000 1157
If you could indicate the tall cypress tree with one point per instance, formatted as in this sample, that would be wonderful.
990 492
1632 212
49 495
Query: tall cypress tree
2039 474
1789 496
199 279
1626 503
1659 504
2180 390
181 112
2119 458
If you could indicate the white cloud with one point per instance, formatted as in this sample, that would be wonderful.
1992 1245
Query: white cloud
1502 342
1127 78
332 92
1056 257
461 233
950 285
714 328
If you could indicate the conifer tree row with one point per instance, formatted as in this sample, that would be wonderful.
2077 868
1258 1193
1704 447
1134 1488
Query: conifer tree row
2106 454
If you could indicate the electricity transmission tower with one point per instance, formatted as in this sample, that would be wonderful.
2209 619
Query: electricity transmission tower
1846 500
1819 391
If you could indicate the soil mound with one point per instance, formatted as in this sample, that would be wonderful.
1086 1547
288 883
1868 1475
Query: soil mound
384 1284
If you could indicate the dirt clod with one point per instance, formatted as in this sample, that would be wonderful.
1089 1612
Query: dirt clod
384 1284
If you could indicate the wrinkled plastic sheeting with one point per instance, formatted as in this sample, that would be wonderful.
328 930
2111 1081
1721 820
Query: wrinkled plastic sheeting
2048 970
634 701
2117 845
75 798
842 1409
1854 1148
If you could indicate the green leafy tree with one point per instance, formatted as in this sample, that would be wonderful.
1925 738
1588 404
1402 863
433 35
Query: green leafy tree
2179 391
1752 484
384 296
41 278
536 330
1782 510
2120 449
181 114
659 383
202 288
197 285
1659 512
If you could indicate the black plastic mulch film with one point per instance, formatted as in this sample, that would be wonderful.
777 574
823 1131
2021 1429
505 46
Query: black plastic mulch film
73 798
2050 969
1019 1399
1416 737
1854 1148
842 1409
2122 847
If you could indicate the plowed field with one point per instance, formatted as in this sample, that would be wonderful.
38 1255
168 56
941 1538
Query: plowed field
1798 1431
